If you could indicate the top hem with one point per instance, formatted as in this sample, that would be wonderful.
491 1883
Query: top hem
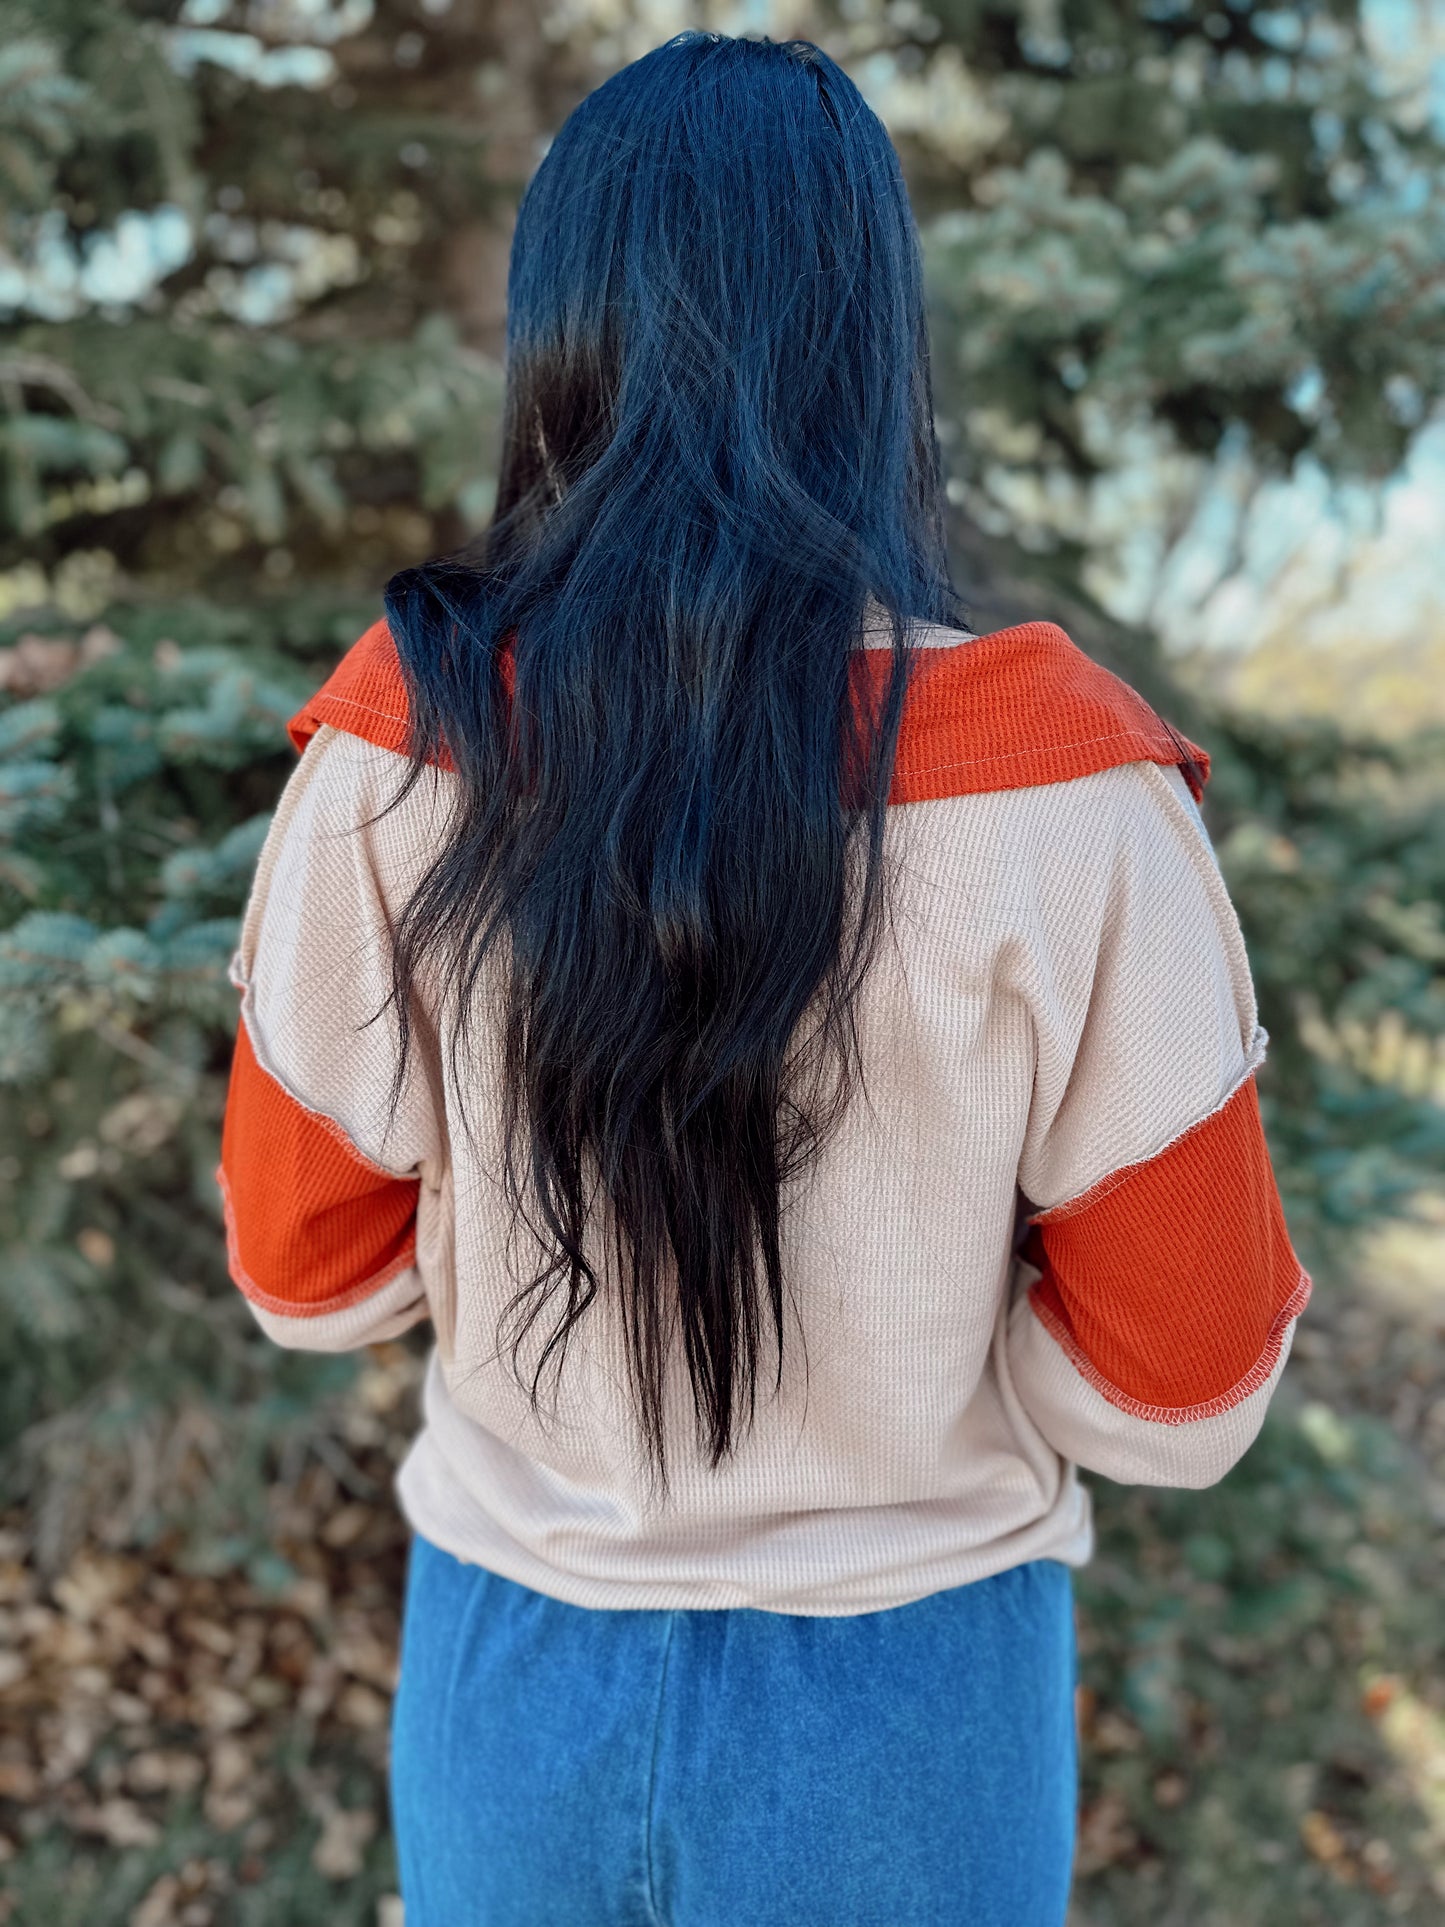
1065 1533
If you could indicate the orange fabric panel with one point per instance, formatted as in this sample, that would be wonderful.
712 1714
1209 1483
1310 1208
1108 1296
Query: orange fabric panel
1170 1282
1020 707
364 695
311 1225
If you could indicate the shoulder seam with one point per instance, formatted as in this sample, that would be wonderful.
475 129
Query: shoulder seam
1206 865
1254 1056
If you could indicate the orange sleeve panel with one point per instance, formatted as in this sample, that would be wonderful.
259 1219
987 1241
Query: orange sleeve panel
311 1225
1170 1283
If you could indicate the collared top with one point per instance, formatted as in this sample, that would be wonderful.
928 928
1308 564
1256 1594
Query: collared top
1050 1239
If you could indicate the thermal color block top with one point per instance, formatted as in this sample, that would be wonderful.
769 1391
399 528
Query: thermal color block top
1051 1239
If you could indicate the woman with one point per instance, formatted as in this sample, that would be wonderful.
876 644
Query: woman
798 1055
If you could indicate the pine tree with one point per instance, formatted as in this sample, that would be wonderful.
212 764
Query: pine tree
250 286
252 269
252 262
1190 222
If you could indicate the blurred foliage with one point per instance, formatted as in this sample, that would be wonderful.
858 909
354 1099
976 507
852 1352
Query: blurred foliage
251 267
1333 856
206 1731
1197 216
1254 1748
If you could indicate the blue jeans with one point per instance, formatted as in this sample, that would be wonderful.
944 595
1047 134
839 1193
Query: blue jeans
559 1766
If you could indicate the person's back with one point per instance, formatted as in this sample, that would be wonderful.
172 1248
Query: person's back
800 1057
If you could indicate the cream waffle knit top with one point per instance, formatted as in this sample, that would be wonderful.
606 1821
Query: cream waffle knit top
1049 1238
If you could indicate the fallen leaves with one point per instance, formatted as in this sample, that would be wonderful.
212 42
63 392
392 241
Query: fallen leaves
95 1582
120 1822
1106 1834
234 1780
1349 1861
131 1688
345 1527
1414 1734
1171 1789
183 1899
339 1851
164 1770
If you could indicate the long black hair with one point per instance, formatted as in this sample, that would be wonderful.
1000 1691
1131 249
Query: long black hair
718 468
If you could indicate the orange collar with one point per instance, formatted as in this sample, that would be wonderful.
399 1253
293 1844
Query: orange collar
1021 707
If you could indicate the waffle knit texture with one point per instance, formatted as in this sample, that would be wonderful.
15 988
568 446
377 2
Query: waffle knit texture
1050 1240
